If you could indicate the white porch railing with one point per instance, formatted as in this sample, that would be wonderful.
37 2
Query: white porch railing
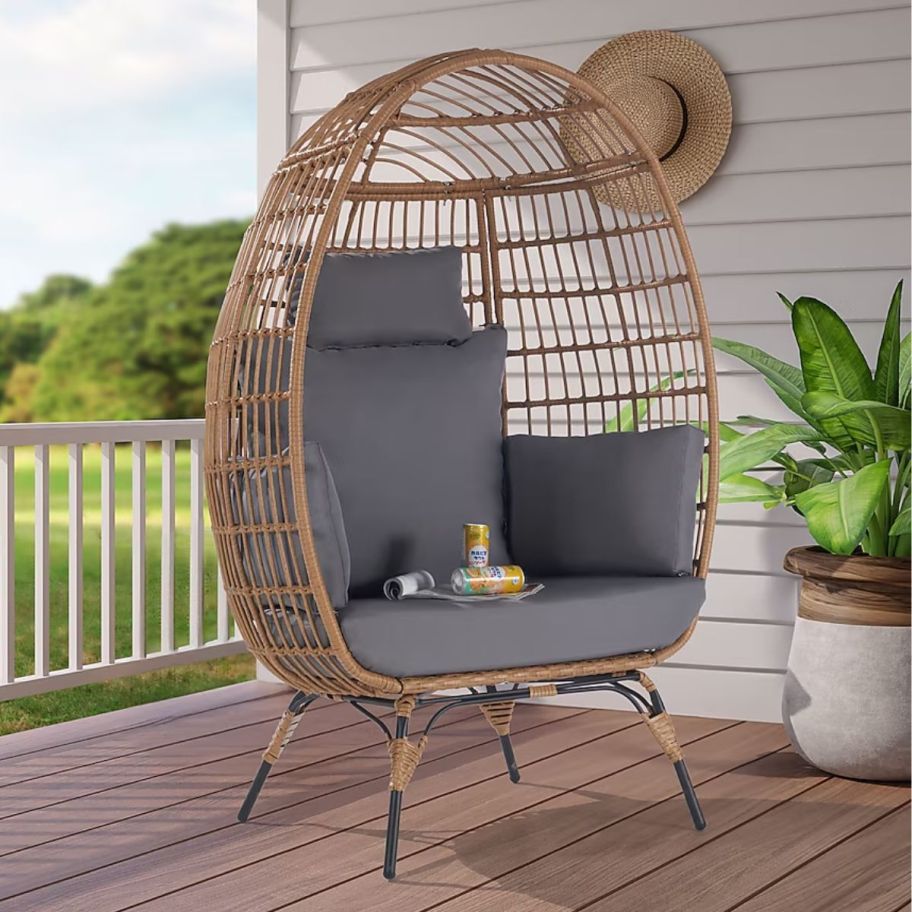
182 638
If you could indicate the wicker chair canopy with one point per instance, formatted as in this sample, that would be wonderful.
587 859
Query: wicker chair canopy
502 156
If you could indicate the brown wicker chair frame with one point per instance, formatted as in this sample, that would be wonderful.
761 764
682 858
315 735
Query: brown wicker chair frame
501 155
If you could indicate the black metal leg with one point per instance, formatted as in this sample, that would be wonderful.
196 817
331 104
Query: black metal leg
506 745
690 796
283 733
395 810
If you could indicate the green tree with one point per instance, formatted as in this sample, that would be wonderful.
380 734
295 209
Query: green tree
28 327
137 346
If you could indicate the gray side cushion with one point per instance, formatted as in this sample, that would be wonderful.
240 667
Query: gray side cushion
402 297
413 435
609 503
572 619
270 558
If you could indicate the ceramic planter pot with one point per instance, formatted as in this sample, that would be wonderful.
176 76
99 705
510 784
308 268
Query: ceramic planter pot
846 704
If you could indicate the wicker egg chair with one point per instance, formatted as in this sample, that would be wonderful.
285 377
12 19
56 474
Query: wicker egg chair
500 155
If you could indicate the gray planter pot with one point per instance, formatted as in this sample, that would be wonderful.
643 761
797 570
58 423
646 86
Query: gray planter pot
846 705
846 701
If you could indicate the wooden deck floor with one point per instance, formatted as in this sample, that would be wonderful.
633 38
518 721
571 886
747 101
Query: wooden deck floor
135 810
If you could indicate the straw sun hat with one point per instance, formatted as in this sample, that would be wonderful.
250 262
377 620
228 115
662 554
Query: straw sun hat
674 92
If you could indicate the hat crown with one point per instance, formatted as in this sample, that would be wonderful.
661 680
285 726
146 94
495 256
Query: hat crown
654 107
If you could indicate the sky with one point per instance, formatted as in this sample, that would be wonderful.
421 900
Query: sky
116 118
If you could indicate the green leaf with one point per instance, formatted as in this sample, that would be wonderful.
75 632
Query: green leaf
831 361
785 300
753 450
625 420
905 370
886 375
838 513
749 489
903 523
785 380
870 423
727 432
805 474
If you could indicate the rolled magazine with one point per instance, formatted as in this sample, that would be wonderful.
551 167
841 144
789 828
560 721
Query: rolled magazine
421 584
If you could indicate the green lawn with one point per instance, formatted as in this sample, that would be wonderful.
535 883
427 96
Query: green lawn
89 699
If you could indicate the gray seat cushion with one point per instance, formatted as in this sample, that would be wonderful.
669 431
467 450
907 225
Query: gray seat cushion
271 559
413 435
572 619
608 503
387 299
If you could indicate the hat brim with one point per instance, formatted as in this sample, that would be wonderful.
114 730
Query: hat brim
697 78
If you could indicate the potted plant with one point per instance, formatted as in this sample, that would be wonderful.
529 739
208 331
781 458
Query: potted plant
842 464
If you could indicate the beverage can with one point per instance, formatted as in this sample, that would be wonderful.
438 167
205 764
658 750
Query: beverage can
488 580
476 540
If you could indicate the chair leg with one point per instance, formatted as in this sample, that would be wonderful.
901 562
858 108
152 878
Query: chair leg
404 759
282 735
499 716
662 728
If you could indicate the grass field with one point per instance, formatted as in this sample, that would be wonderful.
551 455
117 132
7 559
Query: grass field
89 699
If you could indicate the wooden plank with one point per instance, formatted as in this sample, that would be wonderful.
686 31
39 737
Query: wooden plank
867 873
355 852
167 545
224 614
473 842
108 553
721 873
19 744
42 638
7 564
74 557
95 784
148 856
154 734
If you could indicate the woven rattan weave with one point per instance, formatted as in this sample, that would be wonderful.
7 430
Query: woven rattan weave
606 321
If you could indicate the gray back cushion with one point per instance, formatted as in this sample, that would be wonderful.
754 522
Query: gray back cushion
618 503
413 435
388 299
266 496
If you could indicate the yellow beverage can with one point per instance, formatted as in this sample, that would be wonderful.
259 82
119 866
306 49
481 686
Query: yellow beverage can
476 543
488 580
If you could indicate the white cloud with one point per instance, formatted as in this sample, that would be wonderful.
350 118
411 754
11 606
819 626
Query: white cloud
124 115
89 53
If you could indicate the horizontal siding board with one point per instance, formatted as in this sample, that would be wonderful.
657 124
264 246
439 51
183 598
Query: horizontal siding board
737 645
498 25
755 549
714 693
734 596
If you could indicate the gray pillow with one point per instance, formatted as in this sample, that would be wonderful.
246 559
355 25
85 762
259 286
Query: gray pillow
397 298
618 503
267 554
413 434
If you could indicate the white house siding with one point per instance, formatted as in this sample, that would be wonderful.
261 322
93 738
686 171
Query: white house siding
812 197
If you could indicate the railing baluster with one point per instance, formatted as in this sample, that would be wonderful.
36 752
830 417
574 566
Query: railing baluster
224 615
74 558
108 554
7 564
197 549
42 560
167 547
139 550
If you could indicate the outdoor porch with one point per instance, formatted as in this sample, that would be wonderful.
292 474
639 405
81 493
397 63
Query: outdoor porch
136 809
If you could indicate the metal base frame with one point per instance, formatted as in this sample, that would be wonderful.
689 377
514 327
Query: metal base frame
650 707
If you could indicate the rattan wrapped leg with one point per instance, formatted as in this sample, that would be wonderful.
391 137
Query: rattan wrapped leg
404 760
280 738
662 728
500 715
